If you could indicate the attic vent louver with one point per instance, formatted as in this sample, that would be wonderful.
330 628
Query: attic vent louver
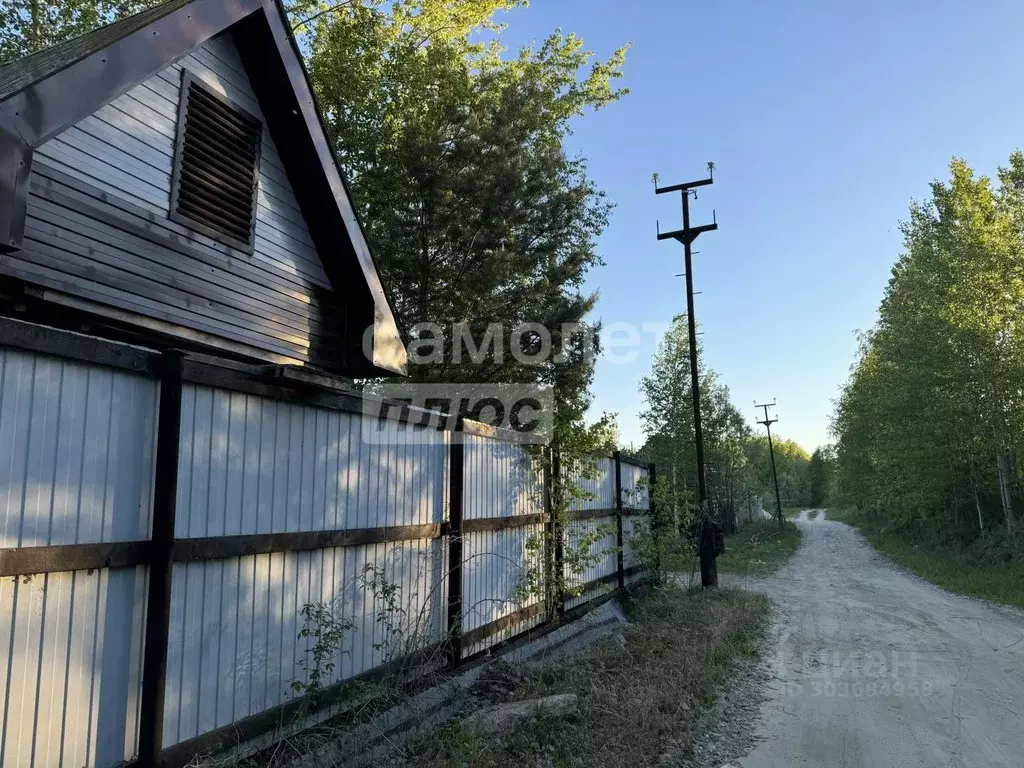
216 166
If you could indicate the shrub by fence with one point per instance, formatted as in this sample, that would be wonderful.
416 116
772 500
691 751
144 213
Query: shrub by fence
180 534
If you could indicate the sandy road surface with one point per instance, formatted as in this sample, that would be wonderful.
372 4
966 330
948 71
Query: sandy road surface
875 667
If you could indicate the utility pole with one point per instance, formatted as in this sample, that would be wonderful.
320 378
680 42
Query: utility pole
706 540
686 236
771 452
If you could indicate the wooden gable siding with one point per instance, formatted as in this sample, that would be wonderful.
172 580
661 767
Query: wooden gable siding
98 228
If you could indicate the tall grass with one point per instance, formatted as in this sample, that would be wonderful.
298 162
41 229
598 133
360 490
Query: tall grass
639 702
759 548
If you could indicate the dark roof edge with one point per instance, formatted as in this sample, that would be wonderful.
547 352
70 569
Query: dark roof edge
22 73
278 20
282 14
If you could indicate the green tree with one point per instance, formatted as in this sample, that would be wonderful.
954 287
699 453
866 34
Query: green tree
27 26
820 475
929 425
480 220
791 466
668 426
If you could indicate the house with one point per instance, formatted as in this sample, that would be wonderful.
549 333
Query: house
168 180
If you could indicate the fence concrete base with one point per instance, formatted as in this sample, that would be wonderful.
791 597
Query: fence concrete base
573 637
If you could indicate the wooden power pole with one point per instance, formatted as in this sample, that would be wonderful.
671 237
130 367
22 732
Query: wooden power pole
686 236
771 452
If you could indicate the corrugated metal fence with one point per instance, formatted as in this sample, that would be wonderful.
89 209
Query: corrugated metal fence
279 499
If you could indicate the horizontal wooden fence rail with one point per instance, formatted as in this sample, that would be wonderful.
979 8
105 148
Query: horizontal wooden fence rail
508 620
220 547
18 561
503 523
594 514
206 501
26 561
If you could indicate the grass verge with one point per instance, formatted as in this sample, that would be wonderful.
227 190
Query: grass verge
792 513
991 568
757 549
638 702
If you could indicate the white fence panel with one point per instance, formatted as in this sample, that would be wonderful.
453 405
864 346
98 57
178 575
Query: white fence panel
633 526
254 465
77 453
501 480
72 651
602 551
635 492
599 489
77 446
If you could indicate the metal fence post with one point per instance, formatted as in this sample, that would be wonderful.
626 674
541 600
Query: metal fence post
652 519
617 458
158 605
549 535
456 472
557 535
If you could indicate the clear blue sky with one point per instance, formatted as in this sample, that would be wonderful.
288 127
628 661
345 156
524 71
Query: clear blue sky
823 119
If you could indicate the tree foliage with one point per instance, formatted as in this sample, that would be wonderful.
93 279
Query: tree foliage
738 463
478 217
820 473
929 424
27 26
792 464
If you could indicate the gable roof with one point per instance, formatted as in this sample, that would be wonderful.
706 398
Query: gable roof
49 91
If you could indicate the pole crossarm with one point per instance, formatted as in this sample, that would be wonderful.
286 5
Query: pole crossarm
687 236
684 186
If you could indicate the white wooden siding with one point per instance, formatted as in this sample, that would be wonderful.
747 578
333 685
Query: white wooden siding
97 227
127 150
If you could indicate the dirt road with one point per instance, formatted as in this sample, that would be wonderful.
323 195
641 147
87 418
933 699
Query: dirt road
875 667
